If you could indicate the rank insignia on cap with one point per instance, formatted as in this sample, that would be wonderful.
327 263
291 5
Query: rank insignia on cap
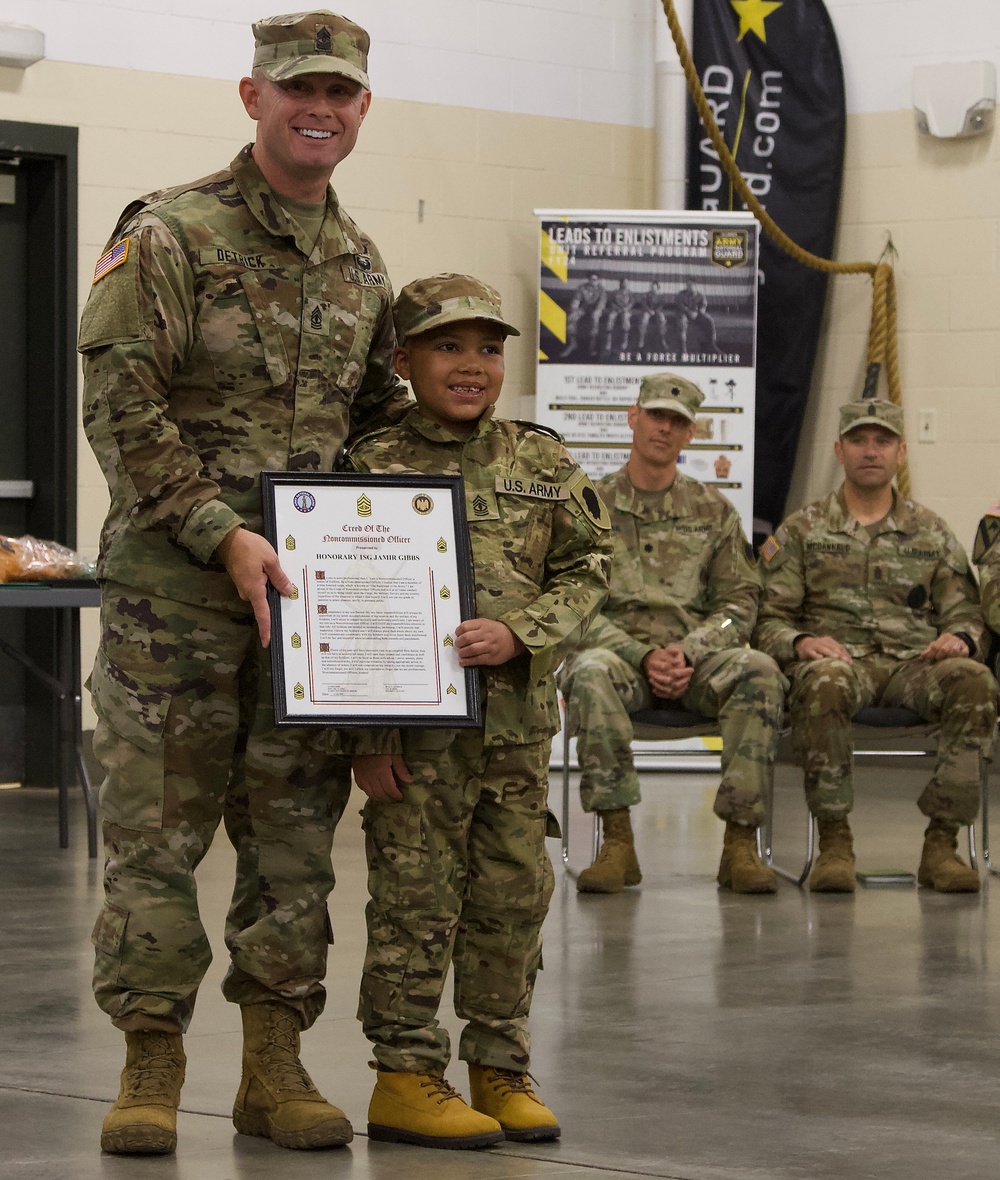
769 548
324 41
110 259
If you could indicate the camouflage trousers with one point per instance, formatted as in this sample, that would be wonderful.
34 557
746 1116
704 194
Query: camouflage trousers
958 694
743 688
458 874
186 737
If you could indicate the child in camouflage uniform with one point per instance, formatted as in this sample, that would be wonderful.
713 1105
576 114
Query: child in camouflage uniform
456 821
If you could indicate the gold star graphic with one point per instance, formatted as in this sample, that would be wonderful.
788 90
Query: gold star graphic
752 14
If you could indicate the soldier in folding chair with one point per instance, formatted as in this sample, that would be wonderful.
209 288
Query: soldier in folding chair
683 600
869 600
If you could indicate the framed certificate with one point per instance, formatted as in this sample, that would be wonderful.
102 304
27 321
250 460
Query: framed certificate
382 569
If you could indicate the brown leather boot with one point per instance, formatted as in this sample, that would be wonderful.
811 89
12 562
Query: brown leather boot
941 868
616 865
277 1099
143 1121
834 870
740 868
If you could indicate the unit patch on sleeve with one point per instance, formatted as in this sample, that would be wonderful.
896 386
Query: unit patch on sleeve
587 497
986 536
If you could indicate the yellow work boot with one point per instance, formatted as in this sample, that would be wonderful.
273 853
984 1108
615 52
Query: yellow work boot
941 868
421 1108
506 1095
277 1099
834 870
740 868
144 1119
616 865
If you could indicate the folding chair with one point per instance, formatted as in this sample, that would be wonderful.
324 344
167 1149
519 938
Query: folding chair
985 812
649 725
872 727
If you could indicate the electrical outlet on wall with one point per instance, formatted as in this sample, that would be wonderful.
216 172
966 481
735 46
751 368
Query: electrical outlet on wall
927 426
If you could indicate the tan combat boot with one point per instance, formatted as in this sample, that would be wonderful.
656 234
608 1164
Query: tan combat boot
941 868
277 1099
740 868
616 865
834 870
507 1096
421 1108
144 1119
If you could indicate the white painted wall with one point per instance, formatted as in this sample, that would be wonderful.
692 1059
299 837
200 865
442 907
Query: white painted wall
576 59
882 40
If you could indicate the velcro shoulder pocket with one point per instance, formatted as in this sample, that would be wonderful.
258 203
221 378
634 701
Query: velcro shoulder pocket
112 314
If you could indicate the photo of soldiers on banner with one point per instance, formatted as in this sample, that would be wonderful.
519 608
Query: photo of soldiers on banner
662 306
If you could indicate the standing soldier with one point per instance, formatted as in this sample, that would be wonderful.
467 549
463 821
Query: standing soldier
869 600
238 323
456 823
682 605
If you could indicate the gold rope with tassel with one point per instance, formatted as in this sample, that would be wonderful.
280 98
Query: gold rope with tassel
883 352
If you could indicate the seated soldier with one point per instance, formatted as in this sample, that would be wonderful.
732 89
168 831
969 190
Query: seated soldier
682 605
986 555
869 600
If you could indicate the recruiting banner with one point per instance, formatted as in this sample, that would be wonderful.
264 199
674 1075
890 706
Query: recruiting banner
772 75
626 293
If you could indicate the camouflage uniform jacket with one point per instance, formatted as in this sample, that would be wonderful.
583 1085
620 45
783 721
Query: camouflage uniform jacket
218 348
986 555
681 572
540 549
891 593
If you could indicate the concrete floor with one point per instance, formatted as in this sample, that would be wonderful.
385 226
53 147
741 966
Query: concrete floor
678 1031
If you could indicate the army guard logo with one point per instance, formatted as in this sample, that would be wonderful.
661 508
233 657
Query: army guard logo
422 504
729 247
304 501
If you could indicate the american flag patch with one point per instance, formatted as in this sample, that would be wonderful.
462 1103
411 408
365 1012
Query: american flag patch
769 548
109 260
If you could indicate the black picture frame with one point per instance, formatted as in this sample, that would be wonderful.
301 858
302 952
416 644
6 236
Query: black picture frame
354 551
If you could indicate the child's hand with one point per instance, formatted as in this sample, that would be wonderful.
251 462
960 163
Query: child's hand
485 641
378 774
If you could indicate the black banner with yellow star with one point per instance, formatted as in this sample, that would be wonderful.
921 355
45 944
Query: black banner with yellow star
772 73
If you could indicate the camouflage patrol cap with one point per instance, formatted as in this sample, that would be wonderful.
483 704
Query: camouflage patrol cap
871 411
666 391
446 299
317 42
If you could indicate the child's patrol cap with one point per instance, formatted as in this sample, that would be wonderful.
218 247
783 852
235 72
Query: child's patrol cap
666 391
446 299
317 42
871 411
